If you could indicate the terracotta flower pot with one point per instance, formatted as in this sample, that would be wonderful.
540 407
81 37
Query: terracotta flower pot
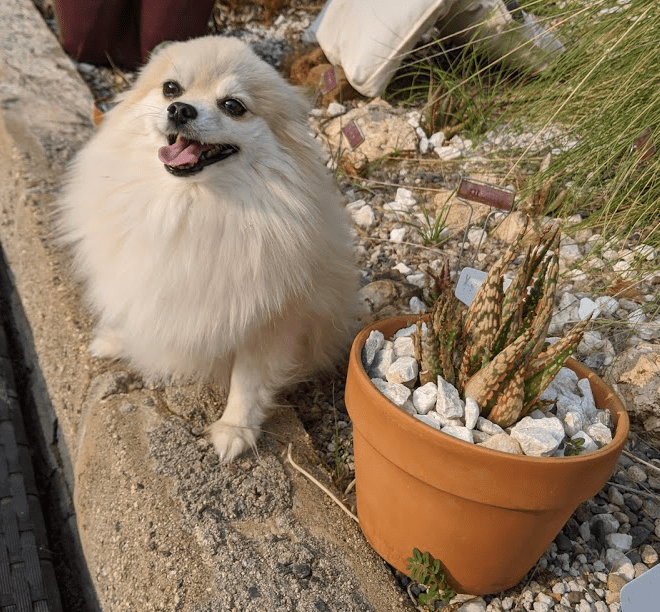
487 516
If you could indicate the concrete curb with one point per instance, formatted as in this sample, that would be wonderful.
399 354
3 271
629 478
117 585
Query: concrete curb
163 526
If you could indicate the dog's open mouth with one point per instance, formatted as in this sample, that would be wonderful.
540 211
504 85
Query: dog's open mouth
183 157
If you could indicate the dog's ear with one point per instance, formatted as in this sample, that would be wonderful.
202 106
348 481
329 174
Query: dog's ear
159 47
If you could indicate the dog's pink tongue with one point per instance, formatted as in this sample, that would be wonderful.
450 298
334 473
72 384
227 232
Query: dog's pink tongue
180 153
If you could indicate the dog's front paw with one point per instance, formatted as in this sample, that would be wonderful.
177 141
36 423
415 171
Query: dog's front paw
106 344
231 440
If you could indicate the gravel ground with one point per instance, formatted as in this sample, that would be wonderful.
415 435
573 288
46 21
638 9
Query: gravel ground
611 538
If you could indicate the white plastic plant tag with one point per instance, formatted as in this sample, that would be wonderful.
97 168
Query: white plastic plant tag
641 594
468 284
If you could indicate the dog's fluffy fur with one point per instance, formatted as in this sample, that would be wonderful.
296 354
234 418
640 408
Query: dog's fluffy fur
241 272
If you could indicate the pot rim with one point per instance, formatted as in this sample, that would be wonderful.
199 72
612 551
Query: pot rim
407 422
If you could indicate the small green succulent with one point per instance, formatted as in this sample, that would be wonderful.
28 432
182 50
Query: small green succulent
428 572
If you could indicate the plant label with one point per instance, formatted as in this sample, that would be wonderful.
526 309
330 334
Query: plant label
329 80
353 134
641 594
486 193
468 284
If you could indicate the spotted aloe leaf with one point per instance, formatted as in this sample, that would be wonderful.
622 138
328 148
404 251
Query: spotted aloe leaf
444 332
547 364
509 404
489 382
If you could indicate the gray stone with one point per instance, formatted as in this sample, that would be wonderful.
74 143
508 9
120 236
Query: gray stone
619 541
372 345
382 361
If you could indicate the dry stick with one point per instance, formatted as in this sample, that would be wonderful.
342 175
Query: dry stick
643 493
319 485
646 463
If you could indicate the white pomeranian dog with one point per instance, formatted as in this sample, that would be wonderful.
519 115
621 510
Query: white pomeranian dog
208 234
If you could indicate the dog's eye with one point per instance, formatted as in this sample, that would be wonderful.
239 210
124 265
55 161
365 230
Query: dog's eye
233 107
171 89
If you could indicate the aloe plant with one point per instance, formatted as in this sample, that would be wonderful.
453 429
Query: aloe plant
495 351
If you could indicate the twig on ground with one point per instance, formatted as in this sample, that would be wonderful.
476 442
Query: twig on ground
646 463
642 492
319 485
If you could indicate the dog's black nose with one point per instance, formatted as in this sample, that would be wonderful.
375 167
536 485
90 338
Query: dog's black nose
180 113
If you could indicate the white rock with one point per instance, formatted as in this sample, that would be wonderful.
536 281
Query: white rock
588 446
424 145
398 234
404 198
372 345
477 604
418 279
462 433
569 252
403 370
449 404
600 433
406 331
636 316
538 437
480 436
461 143
335 109
397 393
592 341
476 236
404 347
607 305
566 300
588 403
504 443
618 563
573 422
364 216
383 360
403 268
646 251
417 306
431 419
587 308
492 429
437 139
418 130
471 412
425 397
447 153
